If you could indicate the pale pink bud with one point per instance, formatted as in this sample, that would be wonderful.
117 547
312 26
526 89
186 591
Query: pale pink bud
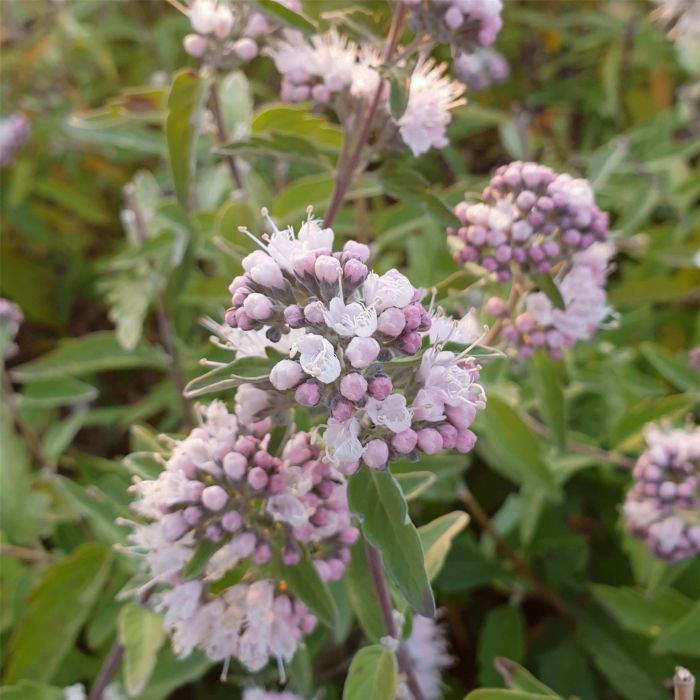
195 45
192 515
413 316
257 478
453 18
376 454
308 394
286 374
355 270
294 316
391 322
362 352
449 435
353 386
262 553
495 306
411 343
380 388
327 269
223 21
174 527
243 545
465 441
343 410
304 264
314 312
214 497
258 306
358 251
405 441
430 441
267 273
231 521
461 416
246 49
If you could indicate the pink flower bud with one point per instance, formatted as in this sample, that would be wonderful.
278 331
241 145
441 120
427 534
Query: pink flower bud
243 545
290 557
243 321
213 533
286 374
465 441
405 441
430 441
258 306
525 322
257 478
267 273
304 264
327 269
314 312
453 18
335 569
192 515
231 521
174 527
380 388
343 410
353 386
412 315
262 554
358 251
246 49
355 271
376 454
391 322
495 306
195 45
294 316
362 352
223 21
449 435
308 394
214 497
461 416
411 343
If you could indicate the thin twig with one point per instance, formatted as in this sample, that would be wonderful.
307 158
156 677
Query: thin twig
346 173
683 684
178 6
221 135
380 587
24 553
504 549
163 322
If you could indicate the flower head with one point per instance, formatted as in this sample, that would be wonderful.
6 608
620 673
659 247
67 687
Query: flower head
14 133
427 648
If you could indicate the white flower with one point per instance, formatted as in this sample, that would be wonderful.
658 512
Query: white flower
427 648
181 602
585 303
317 358
540 307
286 508
390 289
391 412
341 440
75 692
444 378
445 329
431 96
352 319
313 236
428 406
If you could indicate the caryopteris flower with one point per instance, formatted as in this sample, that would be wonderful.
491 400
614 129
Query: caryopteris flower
530 218
481 68
663 506
11 318
14 133
365 358
222 490
427 649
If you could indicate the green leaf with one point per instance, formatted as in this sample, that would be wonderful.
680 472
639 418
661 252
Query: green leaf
627 431
281 13
74 199
436 538
58 392
641 613
548 286
377 498
502 634
499 694
362 595
683 637
142 634
182 127
31 690
60 602
548 380
236 103
515 448
245 370
95 352
301 672
171 673
516 677
676 371
276 145
413 484
304 581
373 675
399 83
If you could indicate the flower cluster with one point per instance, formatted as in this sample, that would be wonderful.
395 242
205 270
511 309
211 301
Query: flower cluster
11 318
481 68
224 30
464 24
531 218
366 355
542 324
681 17
14 133
223 490
663 506
332 70
427 650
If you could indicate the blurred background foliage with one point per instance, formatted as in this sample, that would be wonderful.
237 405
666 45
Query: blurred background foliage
595 89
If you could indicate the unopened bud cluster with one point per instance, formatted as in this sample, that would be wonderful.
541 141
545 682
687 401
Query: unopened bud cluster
365 357
222 30
663 506
464 24
541 324
332 70
530 218
224 490
481 68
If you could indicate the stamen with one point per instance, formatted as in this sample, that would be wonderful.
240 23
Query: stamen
266 215
224 670
253 238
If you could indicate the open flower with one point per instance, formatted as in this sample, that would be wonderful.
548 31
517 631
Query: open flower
352 319
318 359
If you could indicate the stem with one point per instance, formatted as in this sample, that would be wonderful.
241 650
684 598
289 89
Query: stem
163 321
683 684
347 169
221 135
380 587
519 564
178 6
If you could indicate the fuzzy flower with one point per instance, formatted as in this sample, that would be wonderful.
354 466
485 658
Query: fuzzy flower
464 24
663 506
14 133
365 355
427 648
481 68
223 490
531 218
431 96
